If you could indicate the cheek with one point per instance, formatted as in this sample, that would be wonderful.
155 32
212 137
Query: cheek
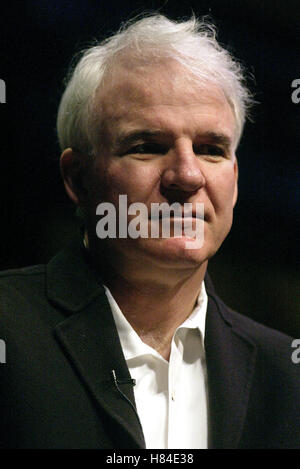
221 189
135 178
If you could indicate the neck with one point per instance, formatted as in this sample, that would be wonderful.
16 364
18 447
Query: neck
156 305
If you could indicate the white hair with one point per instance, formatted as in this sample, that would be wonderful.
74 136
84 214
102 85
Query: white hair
192 43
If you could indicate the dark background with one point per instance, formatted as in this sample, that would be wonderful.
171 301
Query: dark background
256 271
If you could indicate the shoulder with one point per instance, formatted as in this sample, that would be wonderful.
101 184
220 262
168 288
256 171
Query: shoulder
254 330
15 283
22 300
242 322
21 273
274 349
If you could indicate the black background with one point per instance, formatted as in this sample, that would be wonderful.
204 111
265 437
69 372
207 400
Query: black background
256 270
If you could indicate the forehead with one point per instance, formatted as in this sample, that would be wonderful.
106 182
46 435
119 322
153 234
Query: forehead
163 96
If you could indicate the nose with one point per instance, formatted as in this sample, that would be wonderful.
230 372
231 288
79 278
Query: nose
183 170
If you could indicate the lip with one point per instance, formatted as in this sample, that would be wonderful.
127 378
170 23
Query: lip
194 214
184 216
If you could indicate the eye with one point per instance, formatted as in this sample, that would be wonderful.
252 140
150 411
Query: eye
209 149
147 149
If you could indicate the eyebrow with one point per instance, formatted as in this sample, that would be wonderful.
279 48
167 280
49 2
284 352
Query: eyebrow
217 138
147 134
134 136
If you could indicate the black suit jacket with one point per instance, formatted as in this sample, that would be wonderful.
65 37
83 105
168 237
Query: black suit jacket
57 388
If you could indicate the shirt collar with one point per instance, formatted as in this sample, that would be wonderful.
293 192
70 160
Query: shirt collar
132 344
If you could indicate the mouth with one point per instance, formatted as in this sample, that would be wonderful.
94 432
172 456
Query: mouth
184 215
194 214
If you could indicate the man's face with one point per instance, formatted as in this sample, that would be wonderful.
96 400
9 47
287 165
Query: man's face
165 139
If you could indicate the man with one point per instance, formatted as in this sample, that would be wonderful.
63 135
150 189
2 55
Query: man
122 342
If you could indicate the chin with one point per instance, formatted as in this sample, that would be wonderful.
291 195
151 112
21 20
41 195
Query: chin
174 252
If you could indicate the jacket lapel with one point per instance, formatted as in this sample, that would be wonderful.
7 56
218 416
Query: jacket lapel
230 359
90 339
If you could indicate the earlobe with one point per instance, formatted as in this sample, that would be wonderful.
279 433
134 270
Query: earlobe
71 170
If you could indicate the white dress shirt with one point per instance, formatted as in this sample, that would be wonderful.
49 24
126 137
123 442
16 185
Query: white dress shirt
171 397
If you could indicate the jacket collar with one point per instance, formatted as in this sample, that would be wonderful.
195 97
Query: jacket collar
89 338
72 283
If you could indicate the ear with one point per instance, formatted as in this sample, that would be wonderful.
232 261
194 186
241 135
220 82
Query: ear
72 170
236 174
